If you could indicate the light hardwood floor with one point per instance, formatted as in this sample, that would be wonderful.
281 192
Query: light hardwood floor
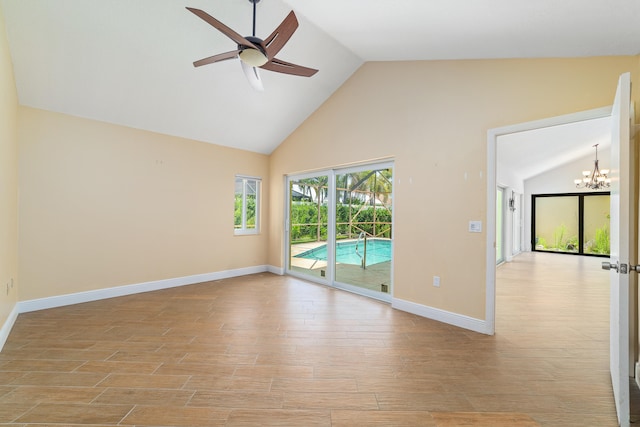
271 350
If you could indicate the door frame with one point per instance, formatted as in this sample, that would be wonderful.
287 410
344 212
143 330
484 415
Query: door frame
492 146
503 223
517 226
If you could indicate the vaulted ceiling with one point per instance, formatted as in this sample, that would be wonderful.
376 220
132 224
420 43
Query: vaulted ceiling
130 62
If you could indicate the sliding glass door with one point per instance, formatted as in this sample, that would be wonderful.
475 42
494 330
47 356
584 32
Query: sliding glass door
363 229
339 228
308 225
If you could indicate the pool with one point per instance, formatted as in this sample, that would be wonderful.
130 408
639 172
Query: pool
378 250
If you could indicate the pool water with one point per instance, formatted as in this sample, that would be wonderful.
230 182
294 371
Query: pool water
378 250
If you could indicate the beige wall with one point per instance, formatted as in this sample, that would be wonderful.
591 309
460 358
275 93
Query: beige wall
8 179
104 205
433 117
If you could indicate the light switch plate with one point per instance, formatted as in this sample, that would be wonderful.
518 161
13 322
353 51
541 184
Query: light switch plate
475 226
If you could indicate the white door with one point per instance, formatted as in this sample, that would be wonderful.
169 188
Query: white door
621 215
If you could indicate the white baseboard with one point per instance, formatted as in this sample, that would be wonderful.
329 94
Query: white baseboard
5 330
118 291
443 316
275 270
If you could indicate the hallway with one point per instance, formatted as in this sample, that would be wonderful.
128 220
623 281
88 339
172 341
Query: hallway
552 315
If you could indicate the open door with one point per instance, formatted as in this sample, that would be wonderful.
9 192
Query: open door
622 213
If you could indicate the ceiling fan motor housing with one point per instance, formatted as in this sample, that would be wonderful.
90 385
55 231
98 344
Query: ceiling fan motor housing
254 57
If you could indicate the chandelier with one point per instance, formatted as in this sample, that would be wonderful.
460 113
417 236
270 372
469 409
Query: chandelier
596 179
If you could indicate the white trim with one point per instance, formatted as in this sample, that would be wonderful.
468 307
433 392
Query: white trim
492 140
377 295
275 270
5 330
99 294
310 173
257 178
443 316
244 230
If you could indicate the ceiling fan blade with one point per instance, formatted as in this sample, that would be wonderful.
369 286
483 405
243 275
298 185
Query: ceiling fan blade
216 58
222 28
281 35
280 66
253 76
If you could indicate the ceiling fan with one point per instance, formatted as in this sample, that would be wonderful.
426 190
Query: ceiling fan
254 52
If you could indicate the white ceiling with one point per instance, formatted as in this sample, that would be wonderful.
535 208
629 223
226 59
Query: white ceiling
130 62
530 153
390 30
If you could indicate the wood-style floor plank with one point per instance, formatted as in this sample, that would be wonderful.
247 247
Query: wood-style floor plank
272 350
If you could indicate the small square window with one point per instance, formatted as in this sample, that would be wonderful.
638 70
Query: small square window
247 205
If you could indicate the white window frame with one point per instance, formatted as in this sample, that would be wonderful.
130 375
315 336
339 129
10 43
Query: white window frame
246 180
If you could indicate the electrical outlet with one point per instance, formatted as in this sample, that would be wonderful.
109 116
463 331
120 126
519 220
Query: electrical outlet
436 281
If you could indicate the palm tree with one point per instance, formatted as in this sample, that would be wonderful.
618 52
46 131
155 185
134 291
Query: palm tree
370 188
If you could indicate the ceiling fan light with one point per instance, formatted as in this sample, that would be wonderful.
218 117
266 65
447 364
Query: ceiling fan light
253 57
253 76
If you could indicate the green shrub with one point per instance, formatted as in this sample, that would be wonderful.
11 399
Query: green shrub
602 241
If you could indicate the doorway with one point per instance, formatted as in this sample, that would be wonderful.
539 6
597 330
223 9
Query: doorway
492 197
622 341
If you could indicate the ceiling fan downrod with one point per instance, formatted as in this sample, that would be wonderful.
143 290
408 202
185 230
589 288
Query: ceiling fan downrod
254 15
